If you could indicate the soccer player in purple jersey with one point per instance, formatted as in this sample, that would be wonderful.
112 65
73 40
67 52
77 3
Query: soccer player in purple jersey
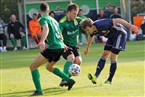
114 30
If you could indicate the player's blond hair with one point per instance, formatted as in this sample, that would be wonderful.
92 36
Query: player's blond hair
72 6
86 22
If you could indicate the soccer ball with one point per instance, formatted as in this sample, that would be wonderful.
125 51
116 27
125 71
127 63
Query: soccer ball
74 69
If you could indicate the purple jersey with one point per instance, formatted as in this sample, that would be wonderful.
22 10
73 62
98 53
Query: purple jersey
116 34
106 28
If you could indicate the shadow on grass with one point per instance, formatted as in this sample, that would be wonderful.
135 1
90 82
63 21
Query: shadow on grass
47 92
54 91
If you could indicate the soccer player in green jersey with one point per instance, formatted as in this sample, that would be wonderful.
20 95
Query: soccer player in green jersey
51 54
69 26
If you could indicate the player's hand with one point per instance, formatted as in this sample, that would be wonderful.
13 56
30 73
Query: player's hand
65 48
11 35
86 51
39 34
22 34
41 46
134 28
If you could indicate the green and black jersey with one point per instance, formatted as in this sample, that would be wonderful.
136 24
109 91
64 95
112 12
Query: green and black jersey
70 30
54 38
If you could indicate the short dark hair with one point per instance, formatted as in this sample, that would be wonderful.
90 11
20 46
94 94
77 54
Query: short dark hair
44 7
72 6
86 22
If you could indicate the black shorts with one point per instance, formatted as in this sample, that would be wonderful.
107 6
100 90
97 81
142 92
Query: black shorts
52 54
71 50
113 50
18 37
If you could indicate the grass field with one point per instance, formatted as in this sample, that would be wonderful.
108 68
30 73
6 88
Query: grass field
128 81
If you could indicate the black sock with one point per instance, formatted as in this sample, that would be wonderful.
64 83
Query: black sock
100 66
113 68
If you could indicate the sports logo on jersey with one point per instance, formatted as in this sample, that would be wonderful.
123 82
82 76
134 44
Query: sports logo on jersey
72 32
104 31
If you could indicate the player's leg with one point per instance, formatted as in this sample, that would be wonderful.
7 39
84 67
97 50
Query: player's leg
78 60
69 56
23 41
100 66
4 42
118 45
35 73
113 66
61 74
77 54
54 57
13 41
101 62
105 55
4 39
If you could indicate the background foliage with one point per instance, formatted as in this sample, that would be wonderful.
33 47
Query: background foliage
8 7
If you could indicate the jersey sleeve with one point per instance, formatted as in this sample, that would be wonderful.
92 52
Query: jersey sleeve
79 19
61 26
42 21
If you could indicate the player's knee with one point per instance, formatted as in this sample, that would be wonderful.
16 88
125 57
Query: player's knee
49 68
113 57
71 58
12 37
78 61
106 55
32 67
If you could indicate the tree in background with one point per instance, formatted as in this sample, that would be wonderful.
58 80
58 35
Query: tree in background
8 7
137 6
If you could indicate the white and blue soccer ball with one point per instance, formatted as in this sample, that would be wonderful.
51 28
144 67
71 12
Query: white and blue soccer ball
74 69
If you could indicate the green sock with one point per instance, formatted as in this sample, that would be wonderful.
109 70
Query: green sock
66 66
80 37
61 74
14 42
23 41
36 80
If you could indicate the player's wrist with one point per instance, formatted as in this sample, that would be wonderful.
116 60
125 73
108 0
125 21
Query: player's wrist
130 26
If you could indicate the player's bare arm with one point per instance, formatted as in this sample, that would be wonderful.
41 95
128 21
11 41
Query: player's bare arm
126 24
90 39
43 37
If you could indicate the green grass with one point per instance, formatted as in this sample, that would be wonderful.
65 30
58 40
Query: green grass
128 81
